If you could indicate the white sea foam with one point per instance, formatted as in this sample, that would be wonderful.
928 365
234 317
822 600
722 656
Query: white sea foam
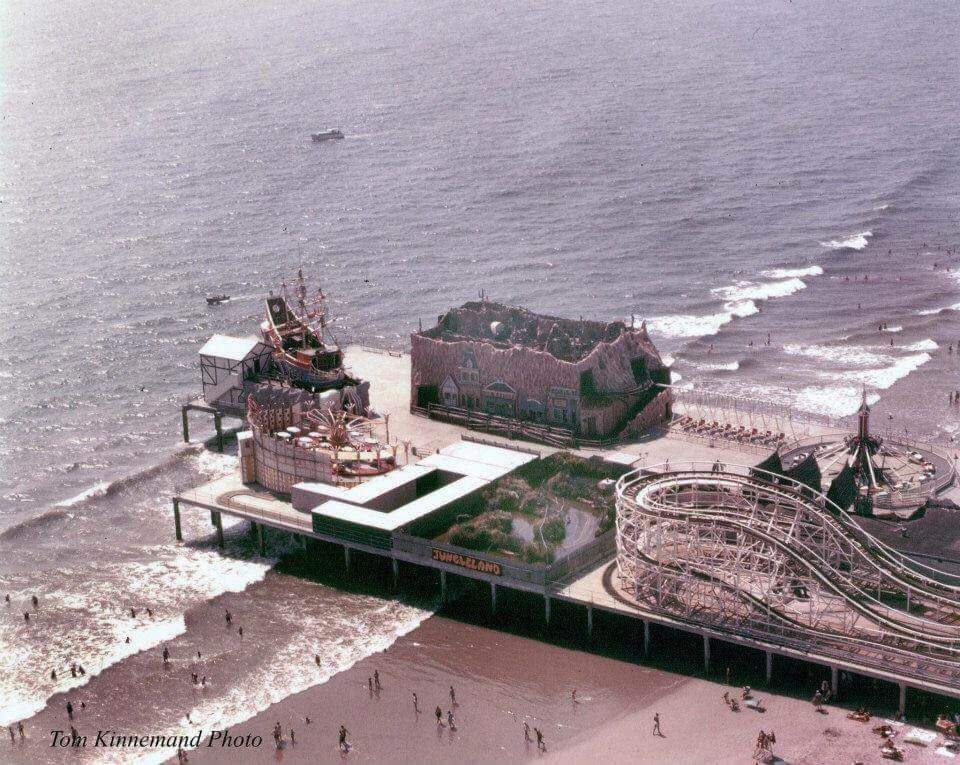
339 637
848 355
831 401
894 328
731 366
923 345
667 359
852 242
91 621
883 377
690 325
97 490
932 311
749 291
792 273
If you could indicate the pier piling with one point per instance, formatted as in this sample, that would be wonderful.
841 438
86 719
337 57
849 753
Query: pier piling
834 678
769 672
185 423
218 424
646 638
493 598
395 566
902 705
706 654
546 608
176 520
261 541
218 522
590 620
346 558
443 586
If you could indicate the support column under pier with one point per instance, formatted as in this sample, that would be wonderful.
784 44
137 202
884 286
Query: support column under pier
185 424
261 541
346 558
590 620
769 661
706 654
395 567
218 424
646 638
178 530
443 586
902 704
546 608
493 598
218 522
834 681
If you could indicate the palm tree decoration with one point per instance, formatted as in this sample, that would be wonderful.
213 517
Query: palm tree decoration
339 428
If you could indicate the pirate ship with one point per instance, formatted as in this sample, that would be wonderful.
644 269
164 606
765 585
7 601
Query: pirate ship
295 328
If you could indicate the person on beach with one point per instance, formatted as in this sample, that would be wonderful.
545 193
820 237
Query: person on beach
818 701
526 732
825 690
453 697
416 707
26 616
439 713
69 710
35 601
316 659
293 738
228 617
306 720
80 670
344 746
133 613
53 675
376 679
541 744
73 670
166 655
656 725
573 697
13 739
7 598
150 613
370 685
20 730
450 720
203 681
240 631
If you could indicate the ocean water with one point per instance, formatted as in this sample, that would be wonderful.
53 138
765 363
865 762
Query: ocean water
764 183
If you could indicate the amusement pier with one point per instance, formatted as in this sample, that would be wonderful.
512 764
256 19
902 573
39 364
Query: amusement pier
554 456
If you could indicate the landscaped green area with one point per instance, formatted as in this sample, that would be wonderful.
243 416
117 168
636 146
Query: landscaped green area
546 508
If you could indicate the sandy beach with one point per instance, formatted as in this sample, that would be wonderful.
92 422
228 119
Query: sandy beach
503 675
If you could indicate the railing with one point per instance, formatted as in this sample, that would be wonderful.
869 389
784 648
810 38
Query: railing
293 518
575 562
487 442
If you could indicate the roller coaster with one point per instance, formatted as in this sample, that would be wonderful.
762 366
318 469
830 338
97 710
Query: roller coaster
745 551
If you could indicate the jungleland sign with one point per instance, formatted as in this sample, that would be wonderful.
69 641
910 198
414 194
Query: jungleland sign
467 561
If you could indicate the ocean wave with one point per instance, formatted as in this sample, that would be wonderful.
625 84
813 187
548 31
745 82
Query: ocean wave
852 242
749 291
933 311
923 345
792 273
691 325
839 354
97 490
87 619
36 522
838 401
340 638
731 366
883 377
894 328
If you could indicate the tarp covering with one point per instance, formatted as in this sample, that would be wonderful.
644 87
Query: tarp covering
843 489
771 464
807 473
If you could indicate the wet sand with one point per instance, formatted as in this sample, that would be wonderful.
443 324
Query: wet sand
505 670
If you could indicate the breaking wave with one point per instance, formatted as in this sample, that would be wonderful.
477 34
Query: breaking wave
923 345
852 242
883 377
835 402
839 354
792 273
690 325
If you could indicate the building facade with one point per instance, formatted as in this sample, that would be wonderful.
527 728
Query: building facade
591 378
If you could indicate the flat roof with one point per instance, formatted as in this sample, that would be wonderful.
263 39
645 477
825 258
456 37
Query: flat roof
621 458
488 455
381 484
229 347
403 515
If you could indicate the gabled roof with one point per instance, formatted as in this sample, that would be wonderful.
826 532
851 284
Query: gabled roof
228 347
